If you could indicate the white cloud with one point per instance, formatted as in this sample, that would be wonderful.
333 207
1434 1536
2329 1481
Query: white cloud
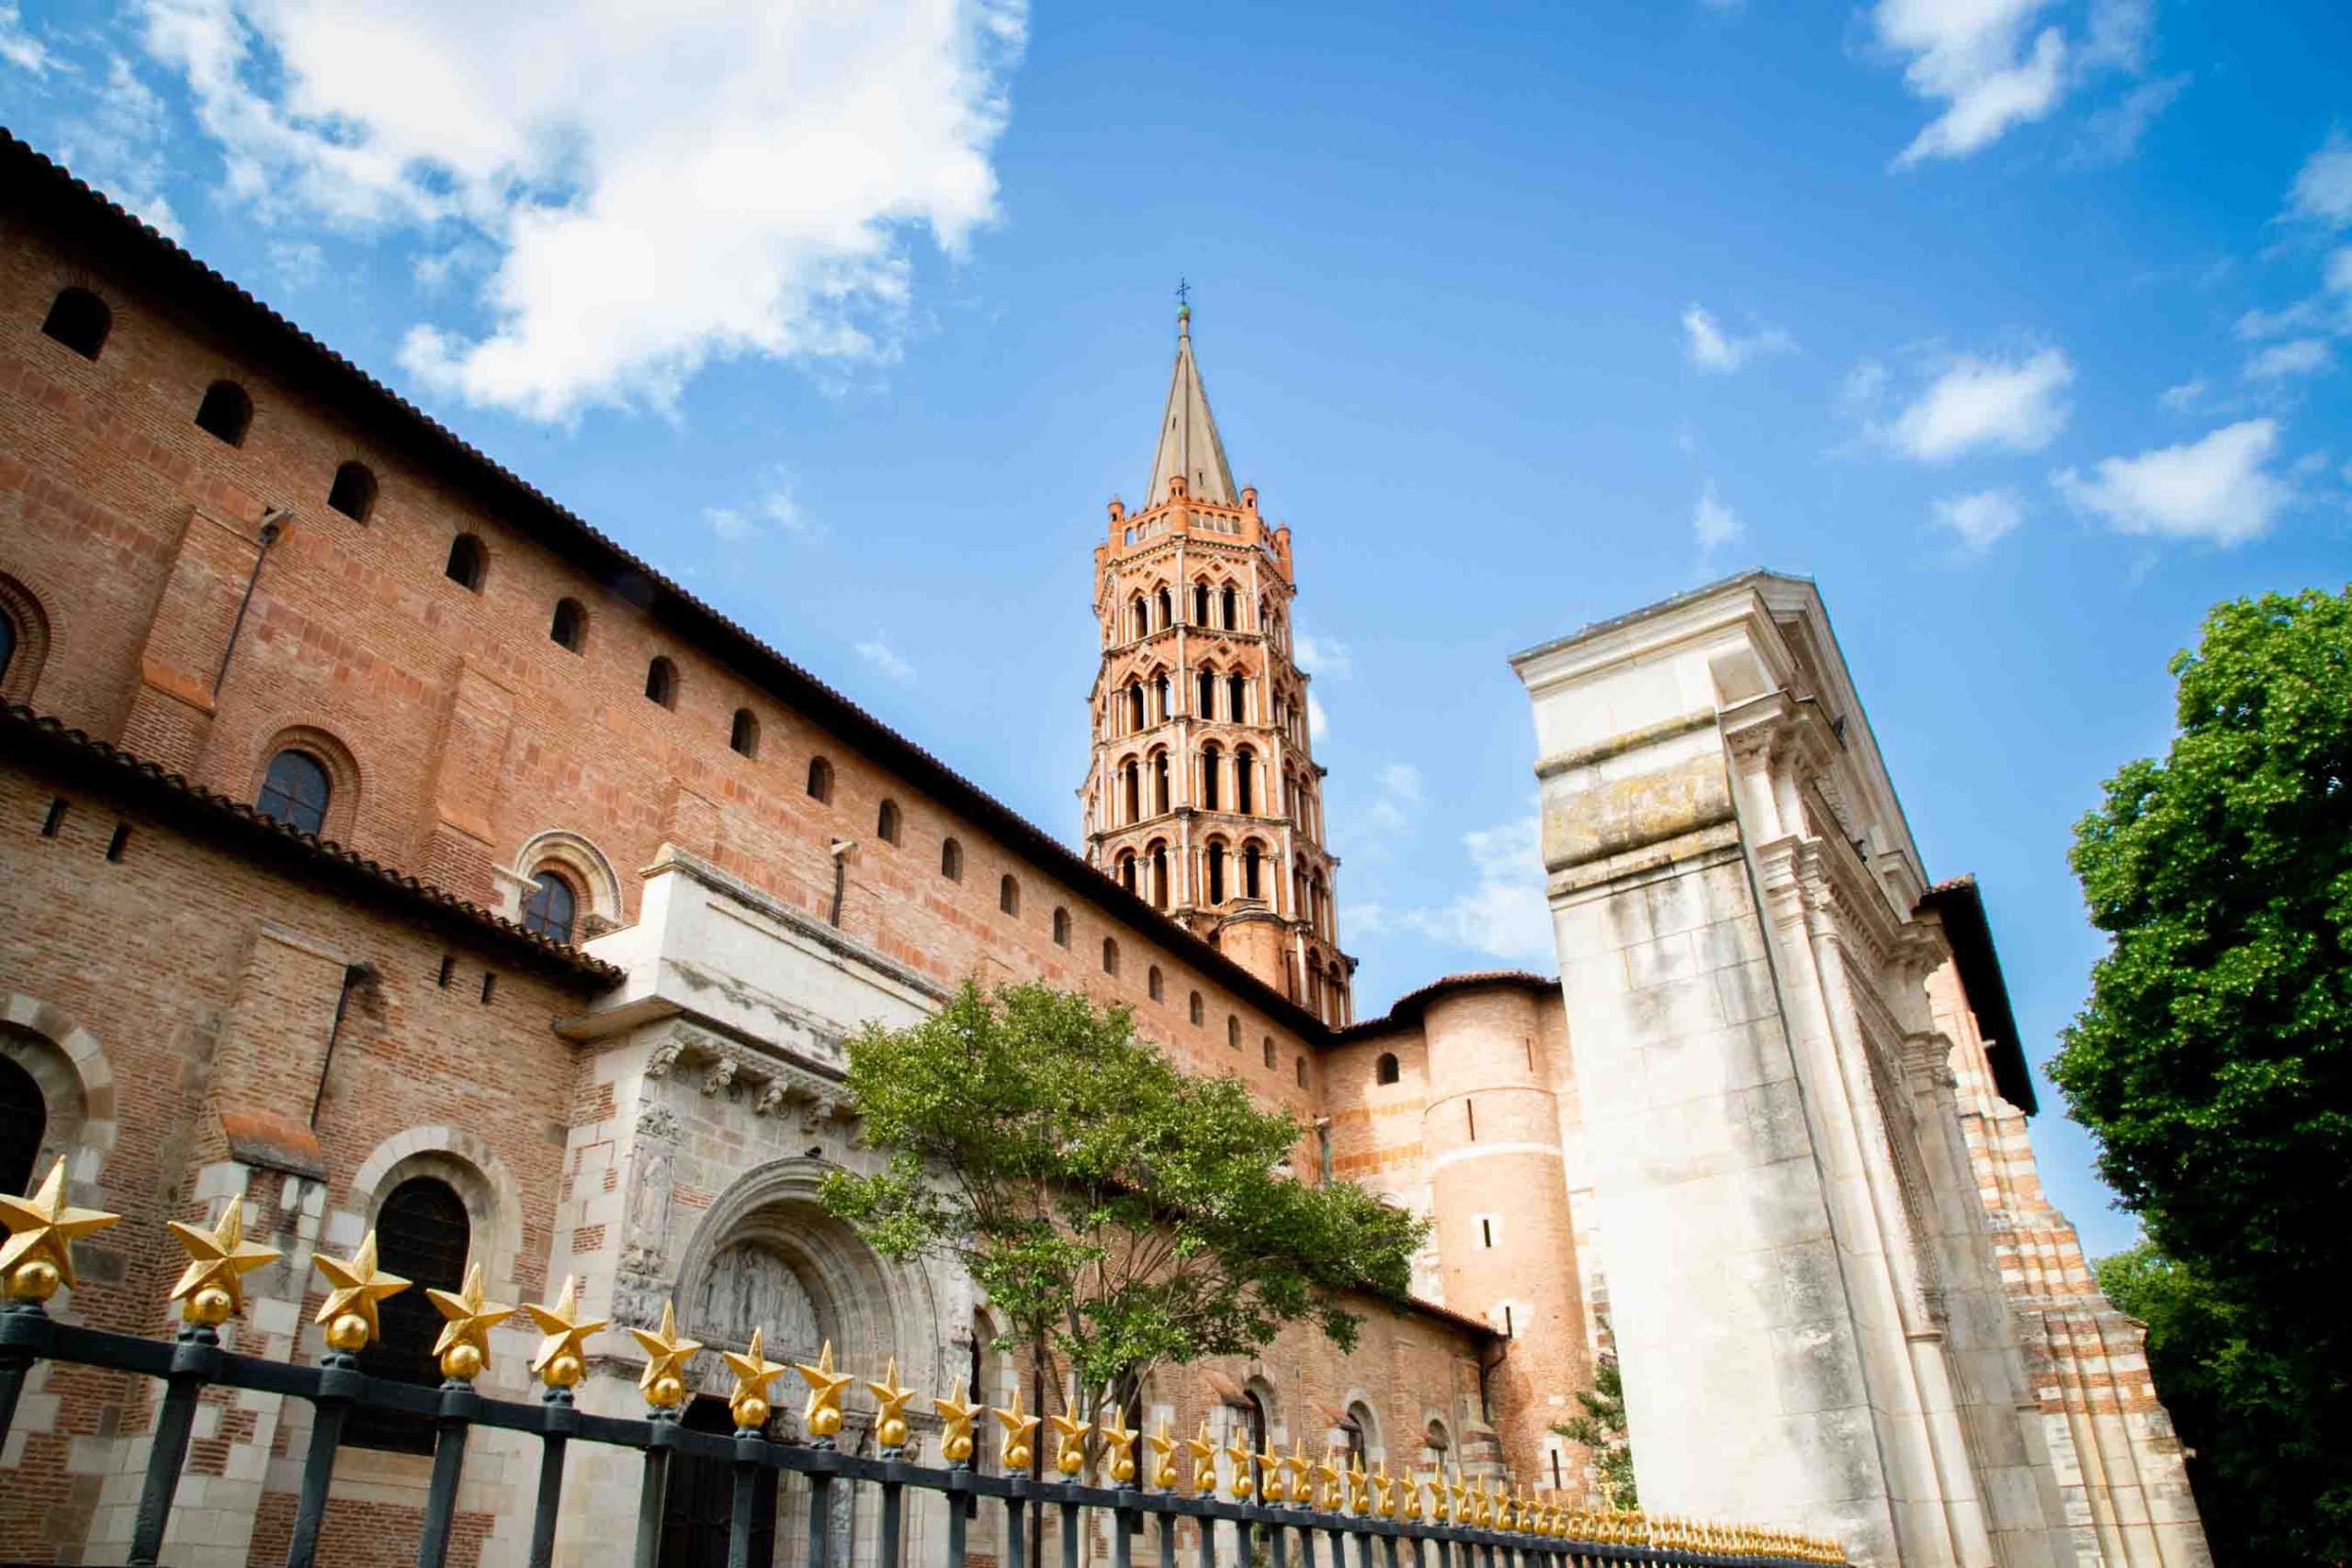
878 653
1987 403
660 188
2112 134
1713 523
2323 188
116 143
1318 723
1980 519
2303 316
2116 34
2282 361
1326 657
1975 58
1713 349
1503 913
775 510
2219 488
1402 780
17 47
2182 398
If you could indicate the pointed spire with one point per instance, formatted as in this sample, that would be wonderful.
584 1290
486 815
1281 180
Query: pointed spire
1189 443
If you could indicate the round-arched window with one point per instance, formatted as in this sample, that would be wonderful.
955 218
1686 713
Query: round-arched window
24 1121
422 1234
295 791
1386 1070
553 907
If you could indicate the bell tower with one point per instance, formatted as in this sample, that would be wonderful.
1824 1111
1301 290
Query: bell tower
1203 797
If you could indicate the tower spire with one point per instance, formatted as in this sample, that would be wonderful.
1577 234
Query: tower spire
1189 443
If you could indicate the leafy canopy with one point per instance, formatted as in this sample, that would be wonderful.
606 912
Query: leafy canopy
2213 1060
1118 1212
1601 1429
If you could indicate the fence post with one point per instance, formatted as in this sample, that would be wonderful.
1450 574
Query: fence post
653 1489
338 1385
195 1354
451 1424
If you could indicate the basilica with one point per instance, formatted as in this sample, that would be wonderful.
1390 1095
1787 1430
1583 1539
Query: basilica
387 849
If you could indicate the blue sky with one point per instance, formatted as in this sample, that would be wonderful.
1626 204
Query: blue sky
2018 324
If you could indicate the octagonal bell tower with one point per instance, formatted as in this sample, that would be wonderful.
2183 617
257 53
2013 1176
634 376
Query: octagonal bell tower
1203 795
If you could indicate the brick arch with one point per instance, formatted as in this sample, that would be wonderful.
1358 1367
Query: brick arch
76 1083
345 783
35 633
493 1199
577 856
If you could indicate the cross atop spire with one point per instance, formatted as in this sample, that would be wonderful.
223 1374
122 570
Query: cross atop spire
1189 443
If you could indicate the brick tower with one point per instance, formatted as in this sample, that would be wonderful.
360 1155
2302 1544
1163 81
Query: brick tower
1203 797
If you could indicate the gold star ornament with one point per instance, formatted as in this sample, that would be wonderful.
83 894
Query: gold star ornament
42 1227
1070 1441
956 1426
1269 1474
822 1415
891 1426
1020 1435
1163 1458
1244 1488
753 1371
211 1288
1203 1451
562 1357
357 1286
663 1382
463 1349
1120 1448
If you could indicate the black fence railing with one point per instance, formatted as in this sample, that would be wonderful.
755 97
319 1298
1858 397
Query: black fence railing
1360 1521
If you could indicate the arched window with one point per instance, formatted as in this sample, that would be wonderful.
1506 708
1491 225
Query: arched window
1155 985
1254 1417
1167 609
1159 875
1385 1069
1131 777
226 412
422 1235
570 627
1127 870
1245 781
1232 1033
1216 873
552 906
1206 706
353 492
1159 781
1110 956
743 735
468 563
1136 718
951 860
295 790
7 641
1266 1049
79 319
1301 1065
1237 699
1061 928
1159 690
1200 604
1212 765
820 779
886 822
1199 1011
1140 619
1008 895
24 1121
1232 609
1251 857
661 682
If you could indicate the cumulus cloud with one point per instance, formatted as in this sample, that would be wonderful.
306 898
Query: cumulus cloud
1978 520
1714 350
775 510
117 143
880 655
1980 59
1714 524
2286 361
1318 723
1502 913
1987 403
2219 488
1327 657
2181 398
656 188
17 47
2323 189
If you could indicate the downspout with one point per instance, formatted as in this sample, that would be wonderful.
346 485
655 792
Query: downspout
353 977
269 532
841 848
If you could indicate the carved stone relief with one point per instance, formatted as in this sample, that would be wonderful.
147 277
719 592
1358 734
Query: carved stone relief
751 1286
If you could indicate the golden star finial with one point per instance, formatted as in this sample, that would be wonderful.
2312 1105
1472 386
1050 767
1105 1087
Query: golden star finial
1408 1494
1244 1488
1300 1466
38 1257
463 1347
1328 1474
1203 1448
562 1358
1069 1435
753 1371
663 1382
955 1430
1119 1450
1269 1474
1359 1489
350 1310
890 1424
211 1287
1163 1458
1019 1435
822 1415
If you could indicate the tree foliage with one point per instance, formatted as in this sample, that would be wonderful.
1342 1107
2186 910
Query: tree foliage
1601 1429
1118 1212
2213 1060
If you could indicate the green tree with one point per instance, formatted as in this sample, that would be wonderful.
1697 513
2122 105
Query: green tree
1118 1212
2214 1062
1601 1429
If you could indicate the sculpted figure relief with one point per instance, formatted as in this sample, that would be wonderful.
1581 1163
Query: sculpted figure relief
750 1286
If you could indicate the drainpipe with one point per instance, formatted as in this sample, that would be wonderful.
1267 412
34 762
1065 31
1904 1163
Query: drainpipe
269 532
841 848
353 977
